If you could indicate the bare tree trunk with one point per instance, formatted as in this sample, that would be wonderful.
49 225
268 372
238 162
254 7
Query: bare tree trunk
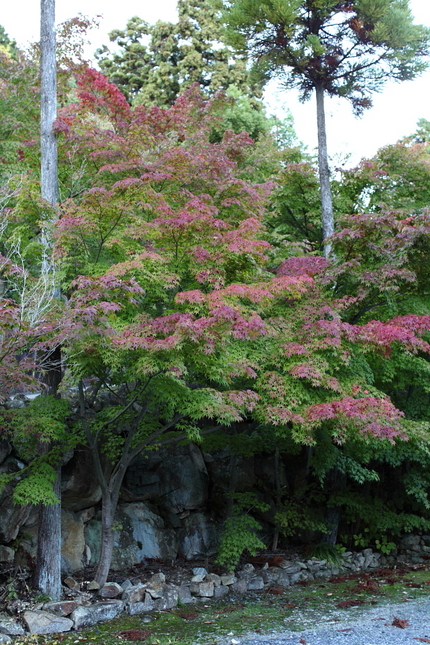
109 505
47 575
48 102
324 172
278 497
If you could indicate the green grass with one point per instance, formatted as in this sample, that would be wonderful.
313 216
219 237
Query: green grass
296 608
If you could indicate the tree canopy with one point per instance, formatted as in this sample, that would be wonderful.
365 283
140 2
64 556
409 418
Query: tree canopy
157 62
345 49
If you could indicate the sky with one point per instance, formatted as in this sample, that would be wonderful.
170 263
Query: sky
394 114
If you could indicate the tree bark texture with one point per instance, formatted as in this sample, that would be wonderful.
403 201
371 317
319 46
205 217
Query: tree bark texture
109 504
48 102
324 172
47 575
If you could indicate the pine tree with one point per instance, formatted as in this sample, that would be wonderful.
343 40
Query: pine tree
347 49
158 62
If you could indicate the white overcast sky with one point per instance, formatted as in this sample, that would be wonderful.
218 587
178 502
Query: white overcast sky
394 114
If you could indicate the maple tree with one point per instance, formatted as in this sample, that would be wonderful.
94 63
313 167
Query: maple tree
190 329
397 177
174 317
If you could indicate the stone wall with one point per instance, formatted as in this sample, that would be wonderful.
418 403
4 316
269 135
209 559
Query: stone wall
86 604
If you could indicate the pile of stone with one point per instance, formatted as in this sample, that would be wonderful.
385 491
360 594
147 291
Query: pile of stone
87 604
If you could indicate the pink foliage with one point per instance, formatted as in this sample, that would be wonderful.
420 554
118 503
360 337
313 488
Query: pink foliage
304 265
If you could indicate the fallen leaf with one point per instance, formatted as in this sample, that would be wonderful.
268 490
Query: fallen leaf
400 622
347 629
423 640
188 615
369 585
302 641
343 604
275 590
134 634
208 622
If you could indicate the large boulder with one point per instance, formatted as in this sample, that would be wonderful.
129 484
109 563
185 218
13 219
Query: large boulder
93 614
44 622
142 535
198 537
79 486
177 479
12 516
72 542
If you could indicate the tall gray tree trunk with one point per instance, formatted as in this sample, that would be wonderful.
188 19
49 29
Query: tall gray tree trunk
47 575
324 172
48 102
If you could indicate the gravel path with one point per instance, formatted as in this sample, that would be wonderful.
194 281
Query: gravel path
356 626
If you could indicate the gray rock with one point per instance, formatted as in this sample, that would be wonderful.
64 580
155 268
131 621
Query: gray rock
283 579
72 583
248 568
228 579
198 578
126 584
213 577
240 586
168 600
198 537
72 542
93 614
184 594
409 540
135 593
79 487
14 404
177 479
220 591
270 577
5 639
256 582
12 516
202 589
155 591
110 590
11 627
294 568
142 536
7 554
200 571
44 622
62 607
146 604
157 579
